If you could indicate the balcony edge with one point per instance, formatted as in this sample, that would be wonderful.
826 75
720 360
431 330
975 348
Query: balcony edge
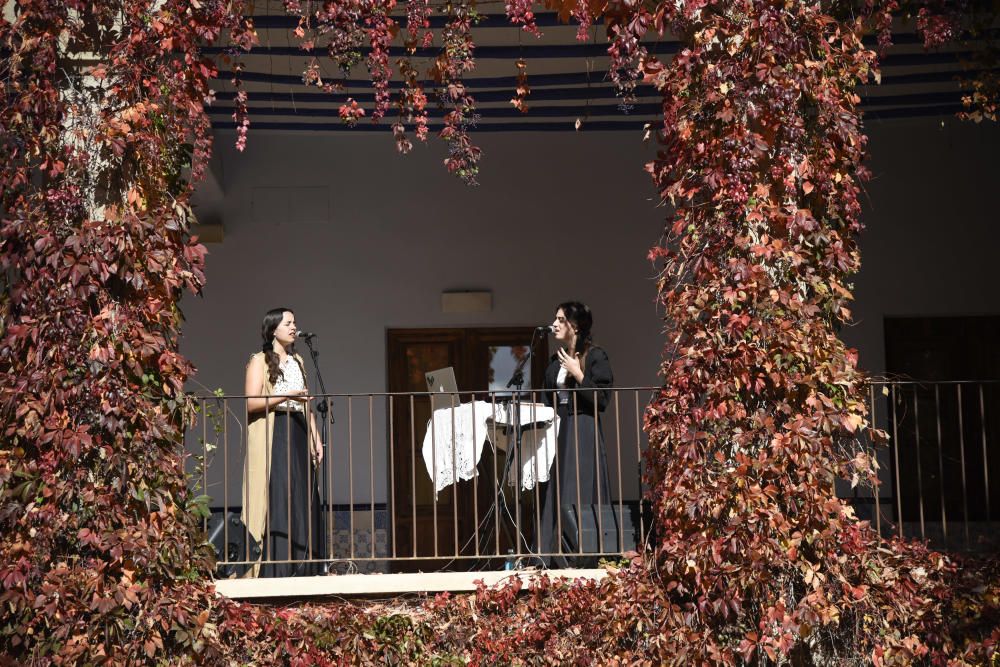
378 584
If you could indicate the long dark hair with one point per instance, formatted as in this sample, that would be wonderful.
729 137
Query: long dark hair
579 314
267 327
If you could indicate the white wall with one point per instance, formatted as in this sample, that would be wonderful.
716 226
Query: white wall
357 239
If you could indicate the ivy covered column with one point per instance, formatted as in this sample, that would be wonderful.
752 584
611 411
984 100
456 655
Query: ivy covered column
102 118
763 406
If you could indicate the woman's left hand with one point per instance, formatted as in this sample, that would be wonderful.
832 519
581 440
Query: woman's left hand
571 362
317 451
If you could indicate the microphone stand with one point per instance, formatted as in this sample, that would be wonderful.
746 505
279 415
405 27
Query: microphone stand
323 408
516 381
322 405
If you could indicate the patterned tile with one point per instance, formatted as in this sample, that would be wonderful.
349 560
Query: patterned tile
342 539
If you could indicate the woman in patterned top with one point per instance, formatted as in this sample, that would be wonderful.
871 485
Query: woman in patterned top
282 438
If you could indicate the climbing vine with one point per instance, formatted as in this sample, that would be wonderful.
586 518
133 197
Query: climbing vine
760 160
763 407
104 130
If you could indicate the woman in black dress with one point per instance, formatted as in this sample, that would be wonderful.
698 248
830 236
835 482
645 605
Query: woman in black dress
577 383
283 452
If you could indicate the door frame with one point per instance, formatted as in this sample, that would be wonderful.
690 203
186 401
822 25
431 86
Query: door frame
467 342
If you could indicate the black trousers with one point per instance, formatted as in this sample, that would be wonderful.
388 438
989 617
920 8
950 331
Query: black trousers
578 478
295 526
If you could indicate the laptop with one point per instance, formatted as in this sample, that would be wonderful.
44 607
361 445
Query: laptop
441 380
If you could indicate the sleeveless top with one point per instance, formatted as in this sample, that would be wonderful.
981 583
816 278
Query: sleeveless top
291 381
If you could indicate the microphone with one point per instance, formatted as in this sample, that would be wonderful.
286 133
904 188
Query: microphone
545 327
305 334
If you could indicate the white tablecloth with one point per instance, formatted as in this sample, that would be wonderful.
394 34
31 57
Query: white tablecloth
453 443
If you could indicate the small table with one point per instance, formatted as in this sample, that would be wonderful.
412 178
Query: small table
453 443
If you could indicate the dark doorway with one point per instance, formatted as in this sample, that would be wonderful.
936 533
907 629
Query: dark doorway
945 422
423 526
943 348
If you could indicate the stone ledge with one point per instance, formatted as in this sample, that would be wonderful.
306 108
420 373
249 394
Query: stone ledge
379 584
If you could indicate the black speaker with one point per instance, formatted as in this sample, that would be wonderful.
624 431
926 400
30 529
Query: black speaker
584 529
230 537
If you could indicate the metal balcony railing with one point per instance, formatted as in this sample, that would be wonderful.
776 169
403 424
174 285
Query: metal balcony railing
420 481
490 480
938 474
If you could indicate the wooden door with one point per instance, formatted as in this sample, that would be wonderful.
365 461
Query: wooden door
425 526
